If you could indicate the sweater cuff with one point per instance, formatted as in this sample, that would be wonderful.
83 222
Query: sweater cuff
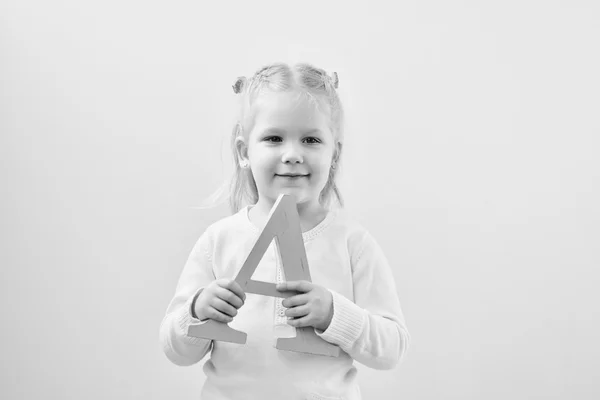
347 323
185 319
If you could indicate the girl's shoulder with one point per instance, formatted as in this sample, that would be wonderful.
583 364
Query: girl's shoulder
360 242
362 235
346 225
230 224
346 221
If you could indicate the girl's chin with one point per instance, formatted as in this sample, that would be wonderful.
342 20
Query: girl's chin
296 193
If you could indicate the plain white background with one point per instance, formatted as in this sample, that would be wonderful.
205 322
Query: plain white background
471 155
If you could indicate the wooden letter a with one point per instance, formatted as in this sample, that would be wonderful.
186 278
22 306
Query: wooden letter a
284 225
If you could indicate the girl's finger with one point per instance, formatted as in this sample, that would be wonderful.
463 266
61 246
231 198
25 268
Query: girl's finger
299 286
235 287
300 322
294 301
224 307
297 312
230 297
218 316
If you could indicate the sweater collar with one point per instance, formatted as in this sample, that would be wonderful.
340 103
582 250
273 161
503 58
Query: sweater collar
306 236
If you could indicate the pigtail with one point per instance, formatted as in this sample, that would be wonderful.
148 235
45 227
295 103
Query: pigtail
335 80
239 84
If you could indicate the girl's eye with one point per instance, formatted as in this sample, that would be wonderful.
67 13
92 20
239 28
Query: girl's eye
312 140
277 139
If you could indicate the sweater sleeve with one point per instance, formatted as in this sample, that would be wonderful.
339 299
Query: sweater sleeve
371 329
197 273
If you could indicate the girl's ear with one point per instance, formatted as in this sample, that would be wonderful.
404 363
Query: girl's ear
337 152
241 150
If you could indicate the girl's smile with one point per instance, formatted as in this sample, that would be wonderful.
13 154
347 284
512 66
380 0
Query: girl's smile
292 180
292 177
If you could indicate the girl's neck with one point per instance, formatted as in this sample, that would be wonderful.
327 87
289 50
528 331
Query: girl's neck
310 215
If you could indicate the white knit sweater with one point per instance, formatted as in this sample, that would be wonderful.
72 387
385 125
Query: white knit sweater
368 324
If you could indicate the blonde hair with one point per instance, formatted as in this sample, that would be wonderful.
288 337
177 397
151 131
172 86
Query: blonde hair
312 82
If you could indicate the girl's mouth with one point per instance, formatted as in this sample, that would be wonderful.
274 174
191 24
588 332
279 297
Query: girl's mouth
292 176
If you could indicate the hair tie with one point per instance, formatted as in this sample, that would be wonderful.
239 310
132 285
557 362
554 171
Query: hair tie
239 84
336 80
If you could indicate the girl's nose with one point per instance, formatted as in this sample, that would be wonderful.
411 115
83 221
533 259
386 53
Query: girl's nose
292 155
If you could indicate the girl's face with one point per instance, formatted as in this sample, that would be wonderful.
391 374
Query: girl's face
290 148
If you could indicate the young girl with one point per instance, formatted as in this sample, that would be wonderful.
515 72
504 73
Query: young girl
288 139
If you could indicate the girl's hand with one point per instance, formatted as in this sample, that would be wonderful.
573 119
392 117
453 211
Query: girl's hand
313 306
220 301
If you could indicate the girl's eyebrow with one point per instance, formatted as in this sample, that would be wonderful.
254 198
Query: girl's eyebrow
278 131
311 131
273 131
